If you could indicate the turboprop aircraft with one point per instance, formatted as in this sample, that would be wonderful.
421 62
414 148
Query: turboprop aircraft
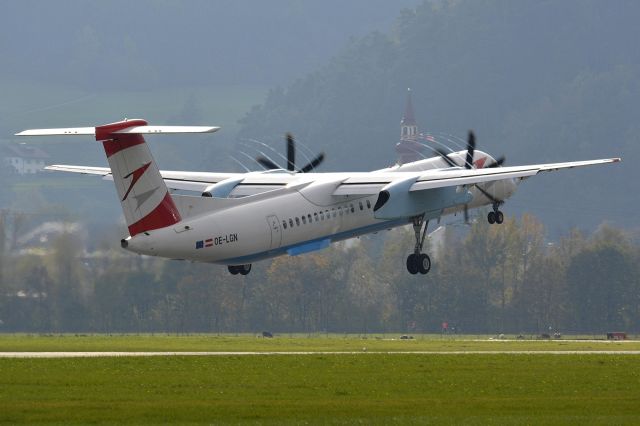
240 218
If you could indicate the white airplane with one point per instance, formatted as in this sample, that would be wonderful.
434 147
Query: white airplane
240 218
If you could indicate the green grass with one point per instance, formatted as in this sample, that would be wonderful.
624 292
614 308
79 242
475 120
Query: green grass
320 389
284 343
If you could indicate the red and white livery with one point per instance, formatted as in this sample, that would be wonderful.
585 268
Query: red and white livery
239 218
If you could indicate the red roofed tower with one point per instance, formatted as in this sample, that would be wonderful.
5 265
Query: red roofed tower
409 149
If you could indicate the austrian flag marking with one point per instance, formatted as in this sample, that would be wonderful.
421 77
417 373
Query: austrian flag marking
217 241
204 243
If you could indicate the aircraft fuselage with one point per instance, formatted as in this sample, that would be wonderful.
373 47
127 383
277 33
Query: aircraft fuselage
292 221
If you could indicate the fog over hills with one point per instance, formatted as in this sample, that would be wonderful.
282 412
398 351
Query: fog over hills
537 81
81 63
150 44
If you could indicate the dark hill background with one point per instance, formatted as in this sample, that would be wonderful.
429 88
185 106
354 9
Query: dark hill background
537 81
150 44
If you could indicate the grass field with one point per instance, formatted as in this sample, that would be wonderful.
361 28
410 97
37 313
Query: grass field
288 343
319 388
365 389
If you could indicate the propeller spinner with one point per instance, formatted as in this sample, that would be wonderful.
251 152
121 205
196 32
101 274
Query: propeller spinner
471 148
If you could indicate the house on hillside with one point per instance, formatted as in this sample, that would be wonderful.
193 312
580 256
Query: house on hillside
24 159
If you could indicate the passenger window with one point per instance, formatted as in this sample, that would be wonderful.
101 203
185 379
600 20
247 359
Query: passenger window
361 206
304 220
352 209
297 221
291 222
284 224
368 204
315 217
309 216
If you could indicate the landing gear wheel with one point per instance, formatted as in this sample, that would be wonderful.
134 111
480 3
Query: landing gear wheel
424 263
239 269
412 264
491 218
245 269
418 261
499 217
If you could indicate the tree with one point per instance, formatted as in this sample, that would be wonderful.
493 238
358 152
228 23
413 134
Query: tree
603 283
69 290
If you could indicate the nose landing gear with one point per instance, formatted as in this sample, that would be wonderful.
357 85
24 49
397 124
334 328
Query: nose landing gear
418 261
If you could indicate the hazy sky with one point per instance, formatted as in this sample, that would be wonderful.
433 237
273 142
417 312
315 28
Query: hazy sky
182 42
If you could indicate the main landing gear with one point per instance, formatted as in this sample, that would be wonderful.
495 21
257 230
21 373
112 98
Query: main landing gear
239 269
418 261
496 215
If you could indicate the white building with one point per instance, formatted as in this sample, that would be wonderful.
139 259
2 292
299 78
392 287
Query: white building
25 159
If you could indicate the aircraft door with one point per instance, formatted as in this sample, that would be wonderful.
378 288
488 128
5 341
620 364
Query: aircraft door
276 232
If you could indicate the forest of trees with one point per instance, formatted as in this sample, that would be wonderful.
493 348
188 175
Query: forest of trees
537 81
485 279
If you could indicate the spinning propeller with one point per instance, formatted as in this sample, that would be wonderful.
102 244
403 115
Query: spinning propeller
468 164
291 159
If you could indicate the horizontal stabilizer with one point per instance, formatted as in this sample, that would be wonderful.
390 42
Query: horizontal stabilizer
56 132
134 130
147 130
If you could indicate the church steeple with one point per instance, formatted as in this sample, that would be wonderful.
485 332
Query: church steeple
409 149
408 125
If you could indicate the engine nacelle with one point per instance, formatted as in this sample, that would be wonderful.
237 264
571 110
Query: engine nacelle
223 188
397 201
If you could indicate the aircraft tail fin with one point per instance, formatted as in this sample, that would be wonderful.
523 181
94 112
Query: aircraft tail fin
145 199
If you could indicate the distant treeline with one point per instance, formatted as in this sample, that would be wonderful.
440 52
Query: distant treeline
485 279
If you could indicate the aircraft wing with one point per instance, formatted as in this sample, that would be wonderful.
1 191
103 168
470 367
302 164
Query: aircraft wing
190 181
248 184
373 183
85 170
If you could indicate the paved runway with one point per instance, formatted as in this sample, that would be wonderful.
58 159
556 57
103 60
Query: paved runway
156 354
